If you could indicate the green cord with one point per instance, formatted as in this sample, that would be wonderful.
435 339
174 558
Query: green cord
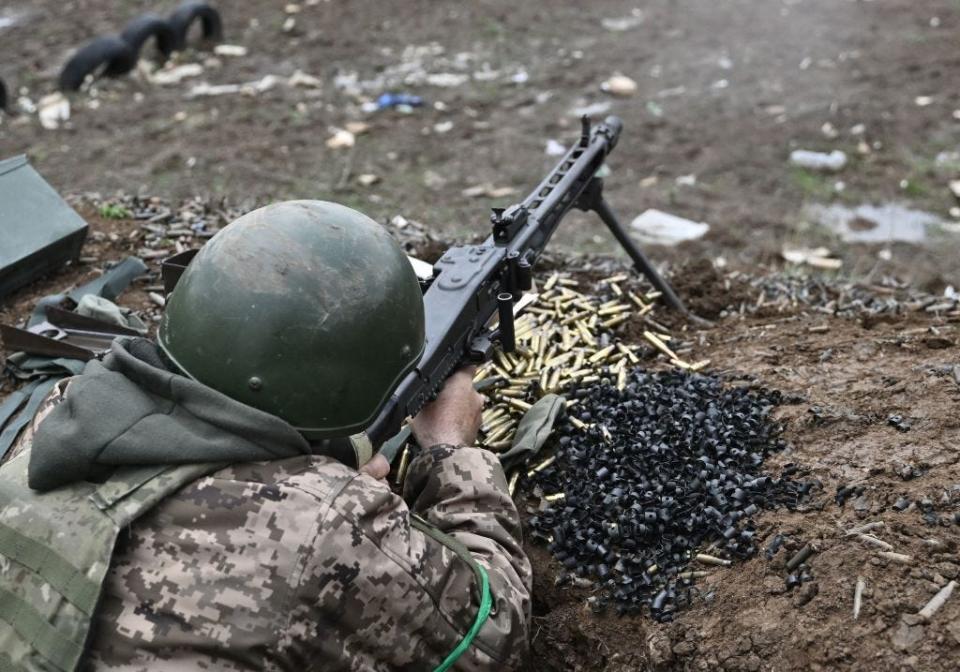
485 604
486 600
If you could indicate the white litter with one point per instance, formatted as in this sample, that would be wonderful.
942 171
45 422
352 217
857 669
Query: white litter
656 227
341 139
230 50
623 23
818 257
555 148
832 162
302 79
175 75
53 110
447 79
620 85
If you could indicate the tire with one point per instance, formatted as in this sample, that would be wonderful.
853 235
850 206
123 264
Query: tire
184 16
141 29
108 55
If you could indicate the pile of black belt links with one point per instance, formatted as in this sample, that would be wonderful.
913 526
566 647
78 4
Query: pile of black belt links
647 477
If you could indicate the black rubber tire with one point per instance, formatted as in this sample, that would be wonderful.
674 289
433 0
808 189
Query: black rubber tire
141 29
109 55
184 16
3 96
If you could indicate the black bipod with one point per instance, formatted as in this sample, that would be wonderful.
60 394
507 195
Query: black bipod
591 199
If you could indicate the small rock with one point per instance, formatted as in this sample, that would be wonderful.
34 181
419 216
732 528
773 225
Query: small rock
955 188
367 179
953 627
906 636
341 139
659 651
443 127
923 101
620 85
289 24
807 593
774 585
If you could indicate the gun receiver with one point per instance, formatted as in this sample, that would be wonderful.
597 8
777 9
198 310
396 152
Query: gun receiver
471 283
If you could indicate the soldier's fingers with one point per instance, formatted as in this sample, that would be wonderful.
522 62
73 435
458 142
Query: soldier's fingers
378 467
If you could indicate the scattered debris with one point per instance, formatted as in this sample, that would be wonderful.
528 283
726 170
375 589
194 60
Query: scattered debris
623 23
620 85
899 423
591 109
937 601
818 257
176 74
955 188
53 110
395 100
555 148
233 50
858 596
869 223
833 162
341 139
488 191
447 79
661 228
253 88
300 78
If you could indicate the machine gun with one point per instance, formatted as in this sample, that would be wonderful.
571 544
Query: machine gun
471 283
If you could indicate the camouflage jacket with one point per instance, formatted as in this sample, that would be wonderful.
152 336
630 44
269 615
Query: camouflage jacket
303 563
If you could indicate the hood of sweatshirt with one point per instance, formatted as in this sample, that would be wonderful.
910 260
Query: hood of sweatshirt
131 409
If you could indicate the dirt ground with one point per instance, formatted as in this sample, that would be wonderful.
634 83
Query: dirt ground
725 92
845 377
790 67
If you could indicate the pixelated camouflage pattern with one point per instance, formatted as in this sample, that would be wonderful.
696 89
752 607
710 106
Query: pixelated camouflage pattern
304 563
57 547
25 438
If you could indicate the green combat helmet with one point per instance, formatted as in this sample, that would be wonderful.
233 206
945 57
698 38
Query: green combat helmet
307 310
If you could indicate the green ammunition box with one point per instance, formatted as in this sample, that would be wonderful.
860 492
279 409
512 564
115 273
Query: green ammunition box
39 232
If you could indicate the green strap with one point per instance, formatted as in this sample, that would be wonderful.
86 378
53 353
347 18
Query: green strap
483 581
66 579
38 392
38 632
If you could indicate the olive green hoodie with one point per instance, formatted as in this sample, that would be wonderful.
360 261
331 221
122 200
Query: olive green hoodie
130 409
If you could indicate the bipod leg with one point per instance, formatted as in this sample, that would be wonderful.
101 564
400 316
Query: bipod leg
602 208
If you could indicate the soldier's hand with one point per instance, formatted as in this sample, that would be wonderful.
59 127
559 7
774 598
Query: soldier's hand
378 467
454 416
